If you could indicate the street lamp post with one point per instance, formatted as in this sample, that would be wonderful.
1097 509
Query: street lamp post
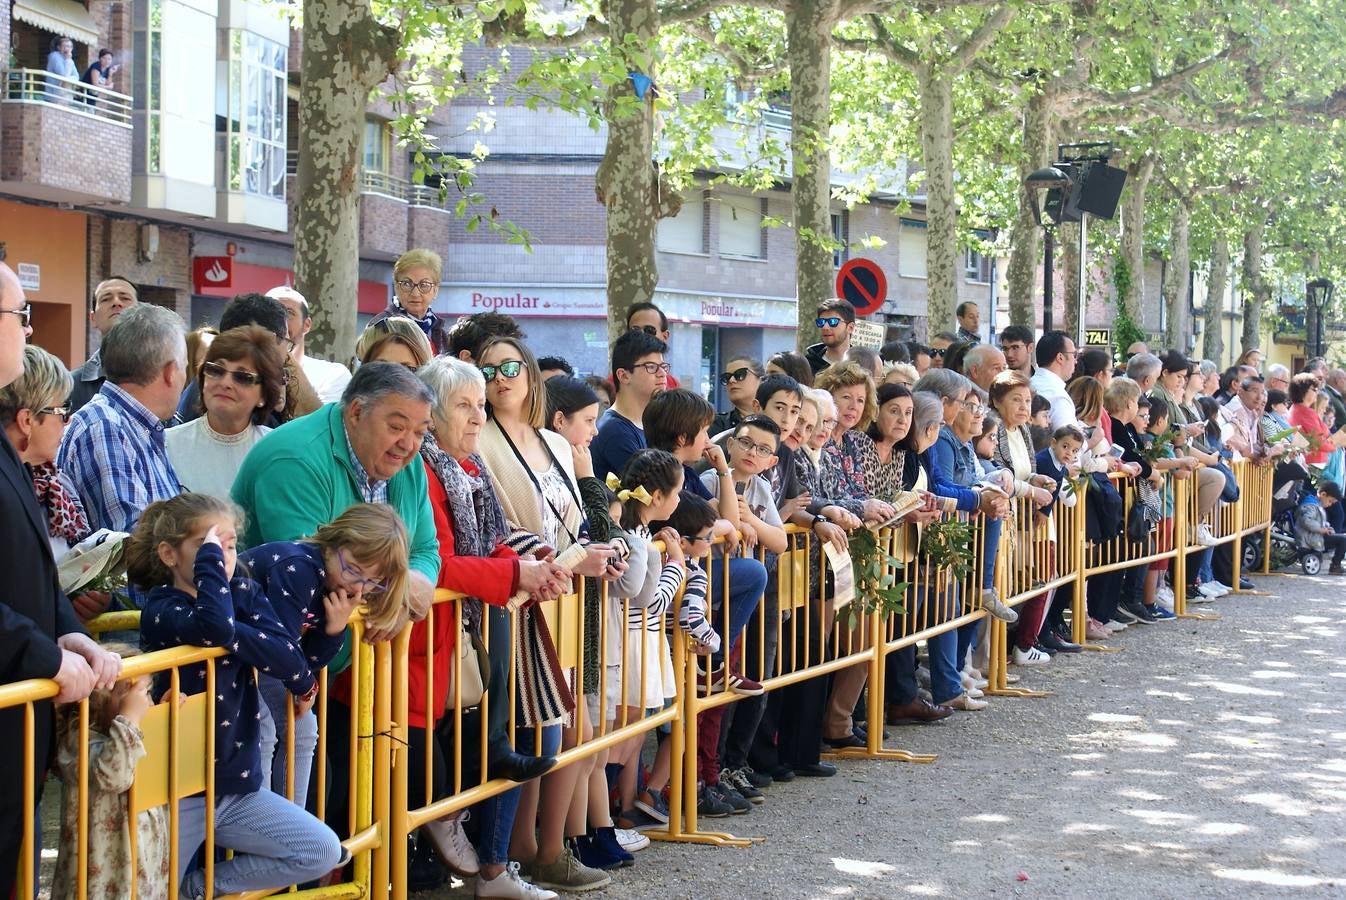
1318 296
1040 183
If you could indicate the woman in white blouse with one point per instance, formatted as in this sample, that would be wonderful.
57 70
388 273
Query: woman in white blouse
242 381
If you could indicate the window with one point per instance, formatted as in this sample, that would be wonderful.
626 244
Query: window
378 140
841 227
978 267
254 115
911 247
741 231
685 232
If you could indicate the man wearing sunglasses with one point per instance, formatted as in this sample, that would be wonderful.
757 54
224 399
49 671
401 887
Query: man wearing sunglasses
113 296
40 636
836 321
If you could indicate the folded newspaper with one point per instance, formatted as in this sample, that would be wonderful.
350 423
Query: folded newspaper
569 558
97 557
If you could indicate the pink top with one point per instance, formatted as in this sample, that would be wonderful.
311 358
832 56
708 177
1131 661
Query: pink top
1307 420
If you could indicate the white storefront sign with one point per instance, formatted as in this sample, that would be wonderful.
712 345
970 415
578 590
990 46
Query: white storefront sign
534 301
30 276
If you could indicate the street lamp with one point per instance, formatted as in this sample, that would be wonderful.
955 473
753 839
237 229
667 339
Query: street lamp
1318 296
1040 183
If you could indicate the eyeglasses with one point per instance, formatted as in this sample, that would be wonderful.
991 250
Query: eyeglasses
63 411
288 344
653 368
738 374
510 368
215 370
25 314
357 576
420 287
701 537
973 407
648 329
829 321
754 448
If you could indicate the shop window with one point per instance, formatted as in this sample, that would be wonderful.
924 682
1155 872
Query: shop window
911 248
741 232
253 115
685 232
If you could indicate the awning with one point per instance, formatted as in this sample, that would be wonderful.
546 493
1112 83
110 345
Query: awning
63 17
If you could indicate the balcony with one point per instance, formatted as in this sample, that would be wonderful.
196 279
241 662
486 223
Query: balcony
428 218
383 215
64 141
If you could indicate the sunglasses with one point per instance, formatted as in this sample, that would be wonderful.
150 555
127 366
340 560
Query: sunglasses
828 322
936 354
510 368
24 313
423 287
64 412
215 370
738 374
648 329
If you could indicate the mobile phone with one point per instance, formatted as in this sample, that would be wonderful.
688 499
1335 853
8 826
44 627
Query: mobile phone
1115 451
740 487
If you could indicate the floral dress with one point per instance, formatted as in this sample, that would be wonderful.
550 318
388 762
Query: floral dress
842 467
112 767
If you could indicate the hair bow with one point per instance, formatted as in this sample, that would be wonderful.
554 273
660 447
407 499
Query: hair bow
640 495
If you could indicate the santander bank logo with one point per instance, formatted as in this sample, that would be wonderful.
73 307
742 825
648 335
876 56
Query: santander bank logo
216 273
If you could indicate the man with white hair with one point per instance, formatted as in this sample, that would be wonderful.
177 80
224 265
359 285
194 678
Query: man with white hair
1278 378
40 636
1143 369
113 451
328 379
983 363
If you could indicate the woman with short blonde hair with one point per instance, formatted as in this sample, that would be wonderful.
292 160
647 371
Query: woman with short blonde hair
394 339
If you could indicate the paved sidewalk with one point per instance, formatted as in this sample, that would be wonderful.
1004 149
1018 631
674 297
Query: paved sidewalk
1208 759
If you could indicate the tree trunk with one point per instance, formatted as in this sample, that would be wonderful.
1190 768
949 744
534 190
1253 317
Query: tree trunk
627 180
1254 288
1177 279
1025 237
1133 236
941 210
809 26
346 55
1212 347
1069 266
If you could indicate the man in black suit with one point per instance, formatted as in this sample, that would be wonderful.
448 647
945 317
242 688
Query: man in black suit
40 636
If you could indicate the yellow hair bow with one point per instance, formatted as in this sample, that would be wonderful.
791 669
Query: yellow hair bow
640 495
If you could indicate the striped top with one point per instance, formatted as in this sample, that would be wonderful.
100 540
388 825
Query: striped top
650 587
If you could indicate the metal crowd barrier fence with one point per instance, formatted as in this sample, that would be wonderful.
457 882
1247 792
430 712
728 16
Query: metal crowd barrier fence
597 640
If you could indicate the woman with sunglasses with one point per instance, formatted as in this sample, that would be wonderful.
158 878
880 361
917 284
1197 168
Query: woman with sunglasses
34 415
534 476
416 276
739 379
241 381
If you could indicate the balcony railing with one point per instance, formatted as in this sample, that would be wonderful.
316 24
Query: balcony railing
425 195
383 183
76 97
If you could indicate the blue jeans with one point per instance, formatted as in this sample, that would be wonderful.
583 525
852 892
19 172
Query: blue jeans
275 844
275 702
946 681
747 582
990 550
1203 572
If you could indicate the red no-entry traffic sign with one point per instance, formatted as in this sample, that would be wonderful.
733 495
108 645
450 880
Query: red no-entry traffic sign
862 283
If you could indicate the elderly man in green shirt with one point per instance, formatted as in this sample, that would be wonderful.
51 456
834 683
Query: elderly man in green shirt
359 450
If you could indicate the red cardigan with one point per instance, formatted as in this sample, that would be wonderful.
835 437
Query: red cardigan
1308 421
493 578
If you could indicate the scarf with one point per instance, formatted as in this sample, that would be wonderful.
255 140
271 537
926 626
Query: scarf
65 514
427 322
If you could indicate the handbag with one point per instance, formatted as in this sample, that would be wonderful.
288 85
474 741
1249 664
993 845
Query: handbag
1146 512
476 668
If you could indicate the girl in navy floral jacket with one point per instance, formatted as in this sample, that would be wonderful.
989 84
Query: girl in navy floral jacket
183 552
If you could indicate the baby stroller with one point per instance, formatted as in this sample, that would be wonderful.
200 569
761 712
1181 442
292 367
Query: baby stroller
1290 545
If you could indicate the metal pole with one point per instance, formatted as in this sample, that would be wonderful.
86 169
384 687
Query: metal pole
1080 300
991 317
1048 245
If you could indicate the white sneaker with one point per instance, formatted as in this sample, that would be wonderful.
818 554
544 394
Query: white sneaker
1204 536
451 843
1030 657
1209 590
971 682
1114 626
974 693
510 883
1164 596
991 600
1221 587
631 841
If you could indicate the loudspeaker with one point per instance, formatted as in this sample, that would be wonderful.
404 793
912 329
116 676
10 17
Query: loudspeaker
1096 191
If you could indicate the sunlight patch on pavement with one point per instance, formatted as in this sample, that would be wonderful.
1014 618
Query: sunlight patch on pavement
1159 816
1113 717
1085 828
1233 687
1136 794
1270 877
1279 804
862 867
1221 829
1249 720
995 818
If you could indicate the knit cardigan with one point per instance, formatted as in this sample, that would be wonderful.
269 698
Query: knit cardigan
514 487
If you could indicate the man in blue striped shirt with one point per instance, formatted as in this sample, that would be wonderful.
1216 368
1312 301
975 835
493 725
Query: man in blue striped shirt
113 451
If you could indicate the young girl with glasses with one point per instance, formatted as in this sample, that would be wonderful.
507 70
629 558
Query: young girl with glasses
183 553
314 585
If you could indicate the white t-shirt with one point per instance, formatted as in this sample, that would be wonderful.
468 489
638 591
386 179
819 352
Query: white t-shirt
205 460
757 493
329 379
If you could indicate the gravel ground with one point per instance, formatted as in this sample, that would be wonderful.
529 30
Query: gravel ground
1208 759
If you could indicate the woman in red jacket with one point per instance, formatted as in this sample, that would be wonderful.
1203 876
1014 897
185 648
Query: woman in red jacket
475 561
1304 392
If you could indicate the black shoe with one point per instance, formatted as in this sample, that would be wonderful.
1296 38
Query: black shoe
817 770
1061 642
1137 611
520 767
850 740
736 801
783 774
755 778
1043 648
1246 585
